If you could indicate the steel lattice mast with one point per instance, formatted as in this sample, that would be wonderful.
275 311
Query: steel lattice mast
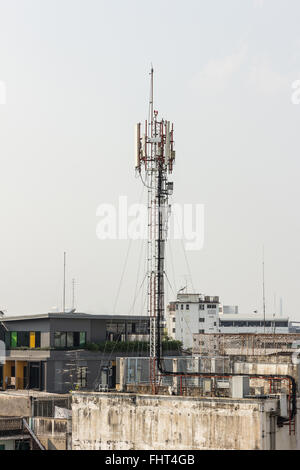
155 157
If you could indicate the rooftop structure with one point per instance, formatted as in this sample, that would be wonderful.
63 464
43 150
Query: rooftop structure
43 351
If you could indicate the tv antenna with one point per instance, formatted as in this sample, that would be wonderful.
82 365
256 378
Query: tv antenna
264 290
64 287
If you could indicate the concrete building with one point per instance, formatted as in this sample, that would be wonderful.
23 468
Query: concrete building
14 435
118 421
43 351
191 314
294 327
208 403
48 417
241 344
197 314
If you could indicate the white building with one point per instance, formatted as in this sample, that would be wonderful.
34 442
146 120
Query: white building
230 309
197 314
190 314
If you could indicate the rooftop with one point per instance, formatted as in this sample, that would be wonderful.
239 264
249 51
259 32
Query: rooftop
78 316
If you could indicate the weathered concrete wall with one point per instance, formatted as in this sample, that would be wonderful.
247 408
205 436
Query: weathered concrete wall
53 433
286 440
267 368
103 421
15 405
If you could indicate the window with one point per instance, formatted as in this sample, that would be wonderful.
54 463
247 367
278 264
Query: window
282 324
32 339
23 339
201 332
60 339
174 330
201 320
76 339
142 327
226 324
241 323
116 327
176 306
211 306
201 307
130 328
115 331
82 341
187 307
181 306
14 339
70 339
174 319
254 324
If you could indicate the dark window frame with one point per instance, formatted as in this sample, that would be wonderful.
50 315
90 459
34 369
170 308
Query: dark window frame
69 339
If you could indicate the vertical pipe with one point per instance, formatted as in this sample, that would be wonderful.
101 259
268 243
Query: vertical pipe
64 288
264 293
73 294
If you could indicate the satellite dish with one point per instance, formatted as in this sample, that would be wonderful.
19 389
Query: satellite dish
72 311
182 289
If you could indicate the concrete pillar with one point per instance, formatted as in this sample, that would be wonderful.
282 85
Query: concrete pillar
175 379
122 364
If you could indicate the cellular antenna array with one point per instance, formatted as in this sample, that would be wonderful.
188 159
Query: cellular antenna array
154 162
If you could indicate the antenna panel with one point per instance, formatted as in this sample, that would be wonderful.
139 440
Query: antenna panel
138 145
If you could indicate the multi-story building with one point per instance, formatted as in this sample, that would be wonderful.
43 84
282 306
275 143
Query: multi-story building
190 314
50 351
193 314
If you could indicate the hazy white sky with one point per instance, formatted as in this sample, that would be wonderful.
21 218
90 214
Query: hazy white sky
76 75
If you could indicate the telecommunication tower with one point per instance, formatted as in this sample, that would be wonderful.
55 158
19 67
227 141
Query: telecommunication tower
154 162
